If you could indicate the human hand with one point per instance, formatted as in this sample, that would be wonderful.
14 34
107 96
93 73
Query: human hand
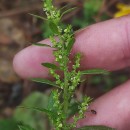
104 45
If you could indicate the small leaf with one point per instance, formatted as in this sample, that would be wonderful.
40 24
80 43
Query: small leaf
37 16
51 102
38 109
95 128
40 80
50 65
53 27
68 11
41 44
70 45
66 6
46 111
95 71
51 107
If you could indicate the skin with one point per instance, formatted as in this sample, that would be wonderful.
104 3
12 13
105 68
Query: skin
103 45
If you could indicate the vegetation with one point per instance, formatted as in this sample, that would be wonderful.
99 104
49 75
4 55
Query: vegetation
61 102
12 92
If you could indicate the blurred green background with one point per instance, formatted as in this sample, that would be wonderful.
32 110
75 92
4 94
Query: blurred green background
17 30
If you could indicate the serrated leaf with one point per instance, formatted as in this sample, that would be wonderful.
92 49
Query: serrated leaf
40 80
68 11
37 16
53 27
41 44
50 65
70 45
95 71
95 128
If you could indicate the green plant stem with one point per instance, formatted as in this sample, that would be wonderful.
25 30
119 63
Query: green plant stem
65 93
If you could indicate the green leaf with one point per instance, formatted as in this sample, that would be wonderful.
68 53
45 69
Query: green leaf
40 80
70 45
73 109
68 11
41 44
53 27
50 65
25 127
95 71
34 118
37 109
95 128
50 113
66 6
51 107
51 102
37 16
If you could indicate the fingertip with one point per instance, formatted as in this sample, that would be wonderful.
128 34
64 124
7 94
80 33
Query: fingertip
16 65
20 64
27 63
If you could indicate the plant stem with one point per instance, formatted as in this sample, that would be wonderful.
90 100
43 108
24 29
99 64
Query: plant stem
65 93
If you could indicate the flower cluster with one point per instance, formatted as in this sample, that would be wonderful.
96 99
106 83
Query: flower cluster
57 106
74 74
58 81
51 12
67 35
82 109
84 106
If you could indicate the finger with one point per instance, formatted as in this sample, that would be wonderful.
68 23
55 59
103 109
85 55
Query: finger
103 45
113 109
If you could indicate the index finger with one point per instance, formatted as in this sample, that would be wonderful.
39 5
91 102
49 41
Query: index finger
103 45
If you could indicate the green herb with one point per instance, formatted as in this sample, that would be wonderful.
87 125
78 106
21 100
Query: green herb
60 101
